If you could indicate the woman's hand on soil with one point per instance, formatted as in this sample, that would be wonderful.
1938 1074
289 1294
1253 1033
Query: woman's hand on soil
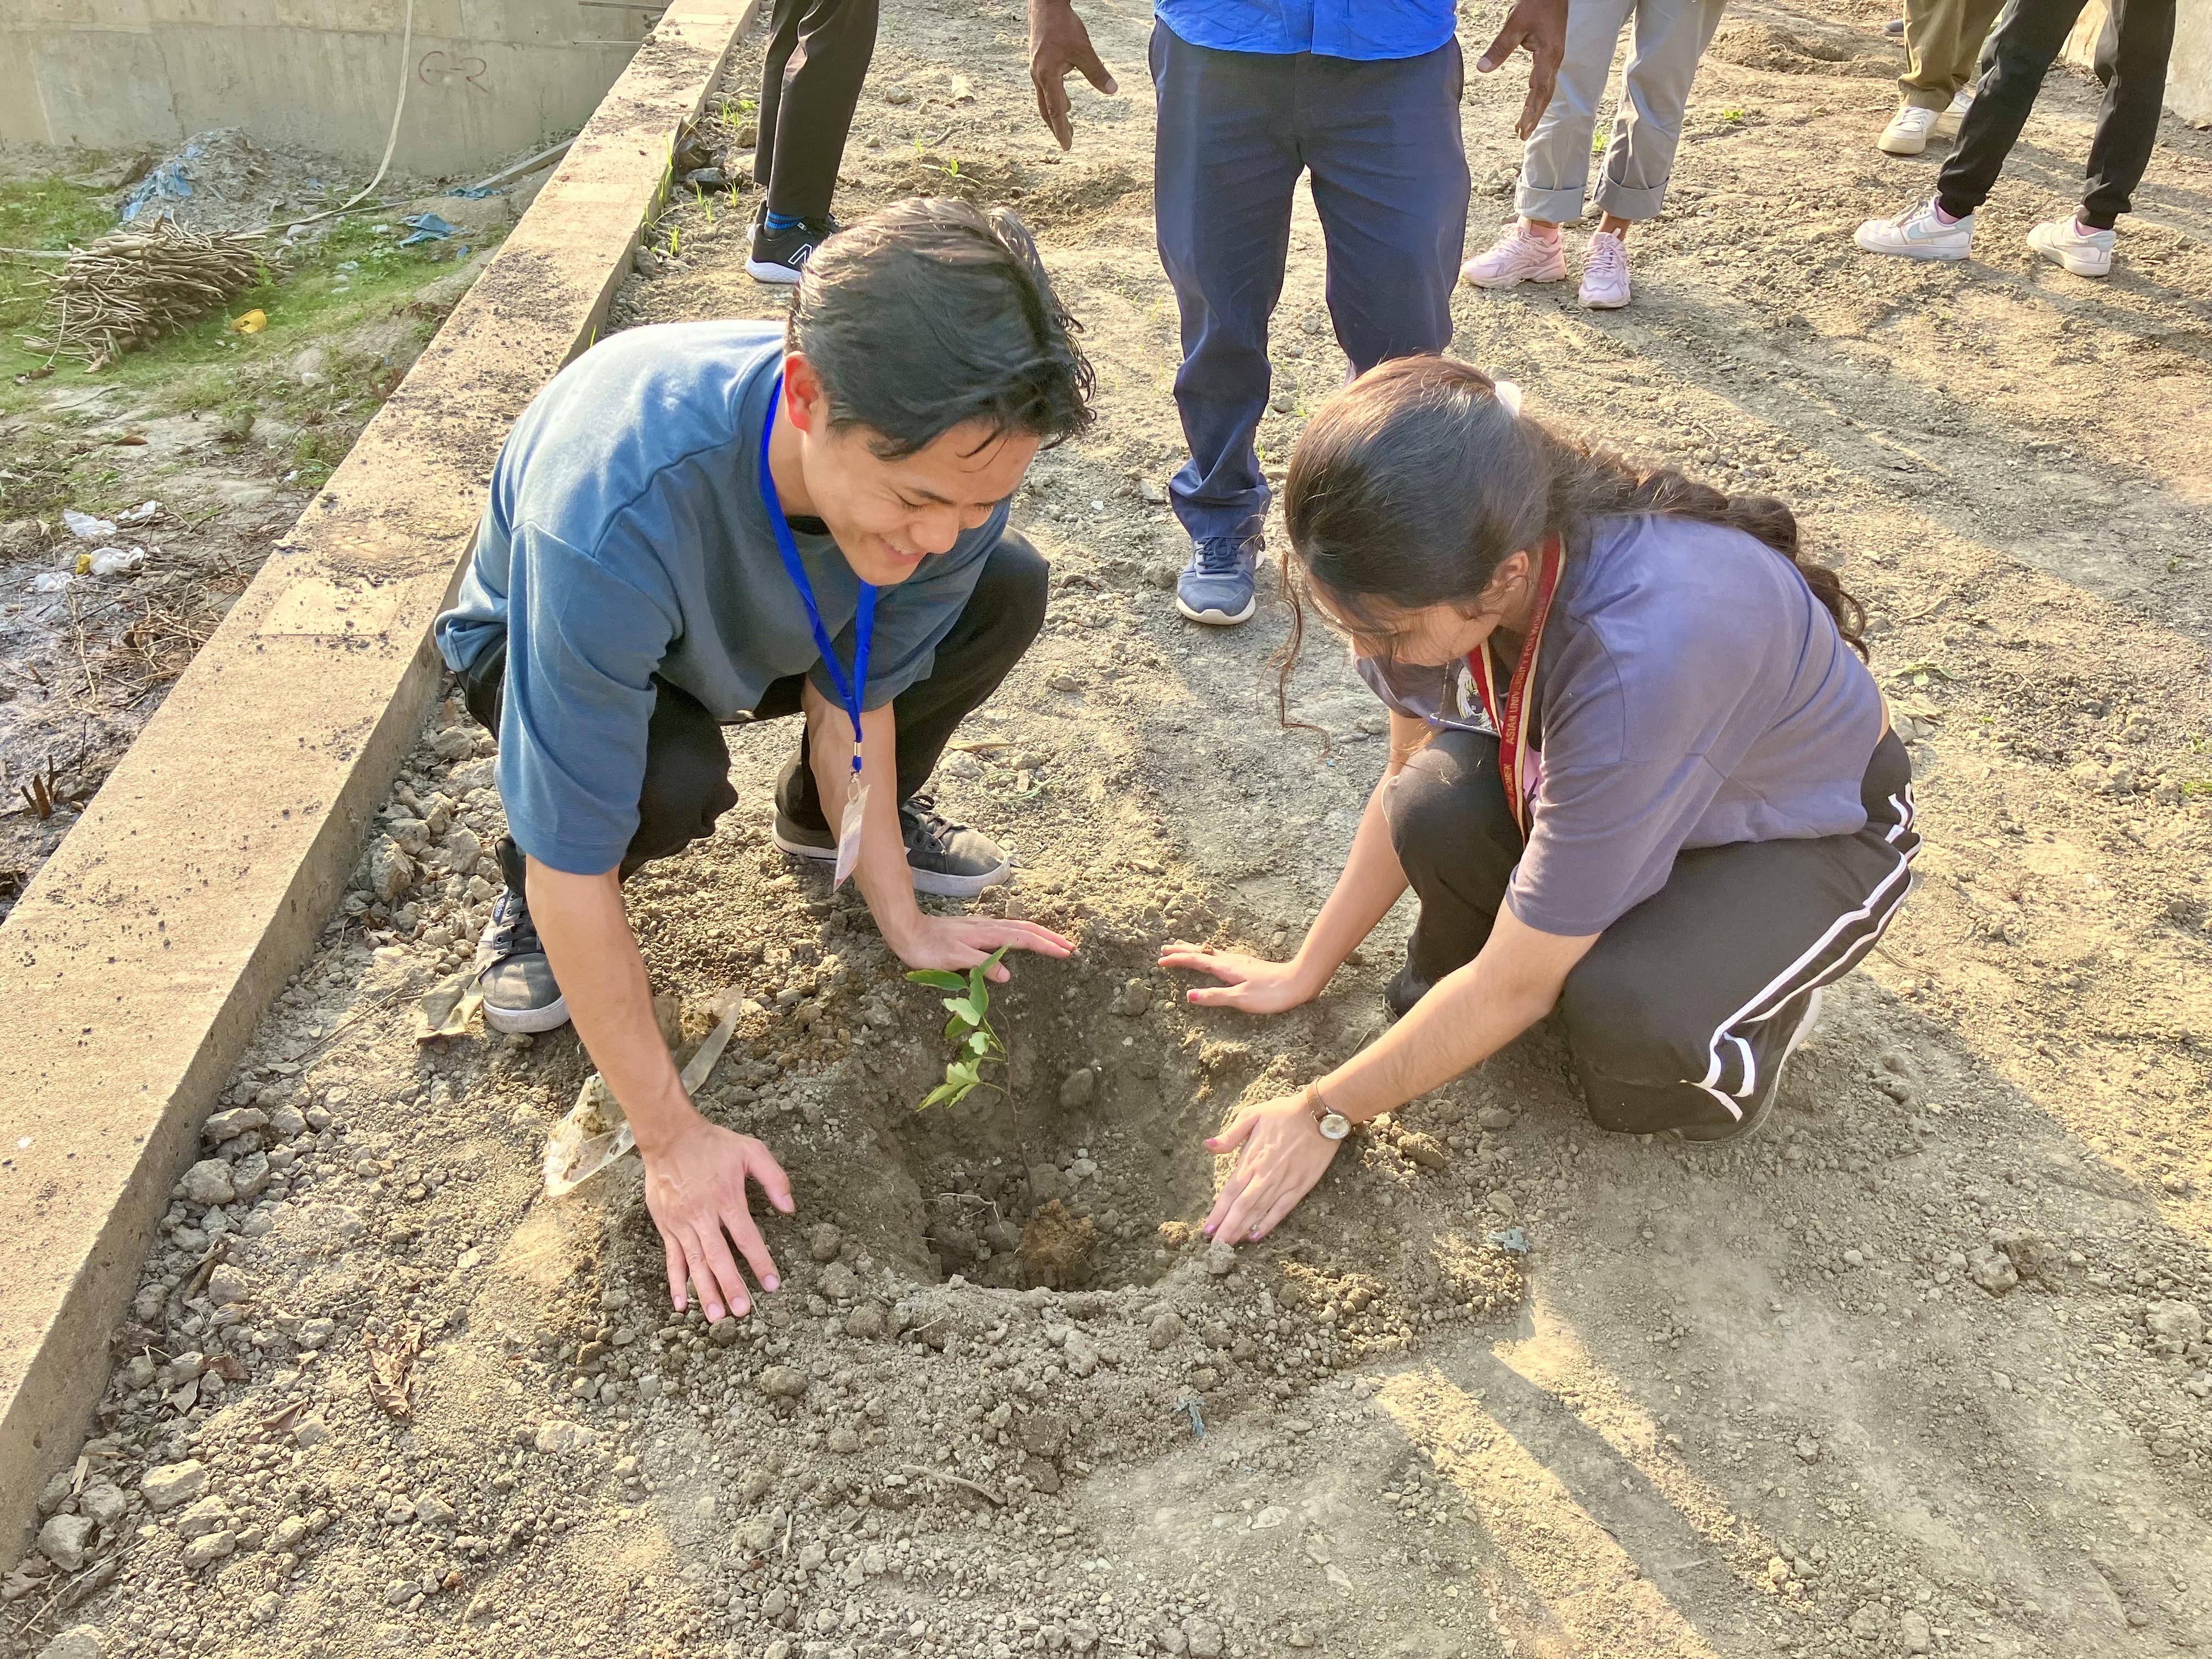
694 1187
961 942
1251 983
1281 1153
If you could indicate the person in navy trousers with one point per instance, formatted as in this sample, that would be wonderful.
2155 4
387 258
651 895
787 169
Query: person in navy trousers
1252 92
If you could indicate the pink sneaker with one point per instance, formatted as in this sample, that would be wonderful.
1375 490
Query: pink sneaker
1518 255
1605 273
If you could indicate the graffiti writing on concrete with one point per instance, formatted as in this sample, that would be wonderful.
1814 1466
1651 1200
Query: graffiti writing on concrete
440 68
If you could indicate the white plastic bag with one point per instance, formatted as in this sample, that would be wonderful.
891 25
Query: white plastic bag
597 1132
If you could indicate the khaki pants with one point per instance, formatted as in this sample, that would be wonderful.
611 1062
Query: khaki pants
1942 39
1670 38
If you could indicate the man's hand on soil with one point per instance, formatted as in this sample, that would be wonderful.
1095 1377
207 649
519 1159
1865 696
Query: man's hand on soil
1283 1153
694 1187
1060 46
961 942
1253 984
1539 25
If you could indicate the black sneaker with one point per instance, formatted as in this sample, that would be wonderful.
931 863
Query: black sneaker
517 981
780 256
1762 1109
947 858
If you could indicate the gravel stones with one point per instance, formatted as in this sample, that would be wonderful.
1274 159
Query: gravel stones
823 1241
82 1642
1204 1637
1164 1332
783 1382
1495 1118
66 1540
868 1321
173 1485
839 1283
843 1440
208 1549
1993 1270
225 1125
103 1502
2175 1324
1134 998
1077 1087
554 1438
227 1284
1220 1258
723 1332
208 1181
1914 1634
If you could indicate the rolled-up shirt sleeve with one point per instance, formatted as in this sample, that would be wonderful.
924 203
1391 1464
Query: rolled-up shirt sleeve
583 642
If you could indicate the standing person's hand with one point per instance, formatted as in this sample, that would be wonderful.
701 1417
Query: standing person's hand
1250 983
694 1187
1060 46
1539 25
1283 1153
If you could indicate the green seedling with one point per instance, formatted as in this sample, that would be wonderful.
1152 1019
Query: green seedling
975 1043
1732 114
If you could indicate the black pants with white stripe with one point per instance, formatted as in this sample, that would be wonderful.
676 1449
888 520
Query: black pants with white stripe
1683 1011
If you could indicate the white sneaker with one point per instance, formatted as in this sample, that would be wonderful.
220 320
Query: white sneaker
1948 123
2060 240
1908 131
1518 255
1605 273
1919 234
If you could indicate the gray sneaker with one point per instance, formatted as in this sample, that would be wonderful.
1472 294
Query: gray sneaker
517 981
947 858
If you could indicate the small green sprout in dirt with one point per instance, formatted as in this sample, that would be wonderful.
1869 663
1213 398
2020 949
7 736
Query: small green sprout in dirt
1734 114
975 1044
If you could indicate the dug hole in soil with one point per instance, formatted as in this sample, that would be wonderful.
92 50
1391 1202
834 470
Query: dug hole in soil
1923 1370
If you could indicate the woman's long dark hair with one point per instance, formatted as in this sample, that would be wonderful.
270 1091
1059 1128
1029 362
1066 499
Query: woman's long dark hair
1414 484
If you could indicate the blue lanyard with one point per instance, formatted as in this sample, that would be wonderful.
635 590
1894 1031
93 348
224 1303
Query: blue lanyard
849 691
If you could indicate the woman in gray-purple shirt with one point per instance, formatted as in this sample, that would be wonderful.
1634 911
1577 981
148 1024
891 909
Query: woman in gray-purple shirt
1638 772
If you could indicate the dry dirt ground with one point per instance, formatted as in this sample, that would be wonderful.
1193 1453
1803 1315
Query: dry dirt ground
1922 1370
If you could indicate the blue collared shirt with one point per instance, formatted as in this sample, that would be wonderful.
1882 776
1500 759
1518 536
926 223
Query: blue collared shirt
1364 30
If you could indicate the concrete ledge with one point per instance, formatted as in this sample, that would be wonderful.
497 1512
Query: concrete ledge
136 966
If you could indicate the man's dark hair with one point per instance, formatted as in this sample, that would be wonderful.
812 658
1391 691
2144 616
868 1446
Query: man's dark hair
929 313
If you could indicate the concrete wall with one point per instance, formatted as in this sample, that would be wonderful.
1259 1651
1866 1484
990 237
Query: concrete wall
485 78
2188 77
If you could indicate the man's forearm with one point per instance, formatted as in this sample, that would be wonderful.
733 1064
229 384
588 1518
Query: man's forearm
595 958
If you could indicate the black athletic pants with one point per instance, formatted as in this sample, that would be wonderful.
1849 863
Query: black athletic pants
2130 60
818 58
687 764
1682 1011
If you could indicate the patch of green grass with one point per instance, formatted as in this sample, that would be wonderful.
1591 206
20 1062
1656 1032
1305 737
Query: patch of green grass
46 215
319 295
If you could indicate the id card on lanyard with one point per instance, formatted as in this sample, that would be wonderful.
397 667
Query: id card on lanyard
849 692
1518 768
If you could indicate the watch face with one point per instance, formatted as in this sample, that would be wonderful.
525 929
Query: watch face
1335 1126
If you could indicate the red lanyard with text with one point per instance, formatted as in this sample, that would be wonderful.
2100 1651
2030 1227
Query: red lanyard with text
1511 717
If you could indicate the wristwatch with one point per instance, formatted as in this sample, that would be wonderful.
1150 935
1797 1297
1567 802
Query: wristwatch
1332 1125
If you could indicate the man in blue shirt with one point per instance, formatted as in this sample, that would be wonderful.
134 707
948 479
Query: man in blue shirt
708 522
1365 95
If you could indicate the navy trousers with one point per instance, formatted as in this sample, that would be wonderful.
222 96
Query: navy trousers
1382 140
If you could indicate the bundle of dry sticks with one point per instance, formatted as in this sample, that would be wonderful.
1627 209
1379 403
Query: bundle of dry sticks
129 287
